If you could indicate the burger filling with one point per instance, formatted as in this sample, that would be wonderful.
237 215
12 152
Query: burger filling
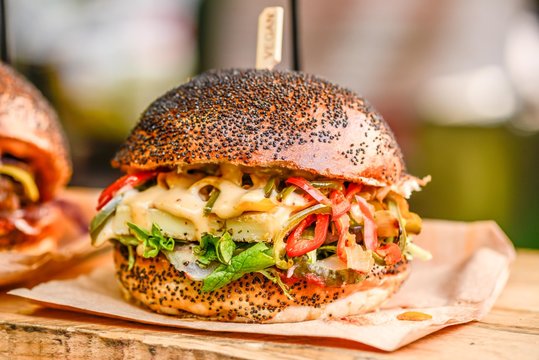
20 214
218 223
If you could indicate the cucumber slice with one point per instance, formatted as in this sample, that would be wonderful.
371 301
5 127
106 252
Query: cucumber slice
332 270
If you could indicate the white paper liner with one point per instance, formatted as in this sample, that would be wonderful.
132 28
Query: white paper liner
469 269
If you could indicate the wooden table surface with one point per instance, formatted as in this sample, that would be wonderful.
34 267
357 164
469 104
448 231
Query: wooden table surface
27 331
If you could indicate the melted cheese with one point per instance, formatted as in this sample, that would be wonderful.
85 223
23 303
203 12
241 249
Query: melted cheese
183 203
140 202
176 205
233 199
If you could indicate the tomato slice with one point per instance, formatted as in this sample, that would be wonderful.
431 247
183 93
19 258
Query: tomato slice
370 234
296 246
390 252
130 179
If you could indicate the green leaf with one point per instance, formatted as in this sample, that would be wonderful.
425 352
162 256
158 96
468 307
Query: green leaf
150 252
205 242
218 278
127 240
205 251
140 234
215 248
131 262
255 258
207 258
156 232
167 244
153 242
225 248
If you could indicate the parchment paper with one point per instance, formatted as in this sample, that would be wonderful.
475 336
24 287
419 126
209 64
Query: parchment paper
469 270
75 242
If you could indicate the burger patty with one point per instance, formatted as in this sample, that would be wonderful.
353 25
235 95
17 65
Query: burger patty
11 236
6 226
11 200
10 194
35 218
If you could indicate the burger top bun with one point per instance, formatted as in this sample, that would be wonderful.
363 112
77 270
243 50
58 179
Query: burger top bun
268 119
29 131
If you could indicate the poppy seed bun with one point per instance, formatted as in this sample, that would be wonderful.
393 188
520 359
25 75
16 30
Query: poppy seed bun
270 119
156 284
29 130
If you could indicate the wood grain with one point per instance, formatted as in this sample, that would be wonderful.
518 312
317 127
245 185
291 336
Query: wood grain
28 331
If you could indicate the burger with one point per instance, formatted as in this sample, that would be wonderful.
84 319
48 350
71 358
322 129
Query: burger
260 196
34 165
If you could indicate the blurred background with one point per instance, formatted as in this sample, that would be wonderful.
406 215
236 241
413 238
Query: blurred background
458 80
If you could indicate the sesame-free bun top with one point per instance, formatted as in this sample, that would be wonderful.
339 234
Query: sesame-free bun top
269 119
29 130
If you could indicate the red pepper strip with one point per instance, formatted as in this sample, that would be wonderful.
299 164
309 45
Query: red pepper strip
390 252
338 208
315 279
370 235
289 280
342 224
309 189
296 234
295 246
339 204
353 189
130 179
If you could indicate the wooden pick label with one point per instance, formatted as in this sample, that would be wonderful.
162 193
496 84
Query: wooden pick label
270 38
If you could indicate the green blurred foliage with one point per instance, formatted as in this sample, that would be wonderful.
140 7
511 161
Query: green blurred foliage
480 173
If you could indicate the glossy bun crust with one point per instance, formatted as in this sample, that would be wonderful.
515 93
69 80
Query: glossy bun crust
29 130
262 118
156 284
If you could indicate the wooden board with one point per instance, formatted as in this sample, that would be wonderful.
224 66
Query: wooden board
28 331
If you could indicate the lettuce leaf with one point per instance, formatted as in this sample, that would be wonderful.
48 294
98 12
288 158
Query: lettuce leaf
154 241
256 258
215 248
131 242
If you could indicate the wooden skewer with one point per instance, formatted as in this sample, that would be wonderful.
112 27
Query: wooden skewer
269 44
296 63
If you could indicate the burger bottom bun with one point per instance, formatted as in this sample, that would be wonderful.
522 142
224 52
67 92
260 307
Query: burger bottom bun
156 284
